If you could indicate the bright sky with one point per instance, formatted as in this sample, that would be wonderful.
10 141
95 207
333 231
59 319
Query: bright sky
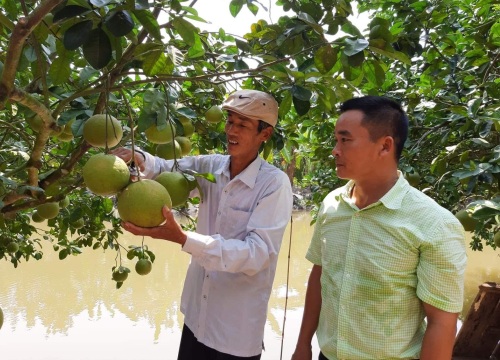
218 13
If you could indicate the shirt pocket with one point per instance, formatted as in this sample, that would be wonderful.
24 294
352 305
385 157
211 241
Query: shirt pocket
234 224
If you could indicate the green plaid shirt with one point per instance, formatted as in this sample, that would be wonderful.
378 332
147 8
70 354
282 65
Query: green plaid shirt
378 265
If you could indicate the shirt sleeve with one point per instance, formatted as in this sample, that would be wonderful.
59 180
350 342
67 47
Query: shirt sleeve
265 230
441 269
314 253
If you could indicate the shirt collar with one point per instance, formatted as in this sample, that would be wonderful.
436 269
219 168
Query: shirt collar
391 200
247 176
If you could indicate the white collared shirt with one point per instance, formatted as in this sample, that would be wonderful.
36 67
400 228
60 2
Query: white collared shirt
234 251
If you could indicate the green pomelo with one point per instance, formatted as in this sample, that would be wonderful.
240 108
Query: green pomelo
36 217
214 115
119 275
187 126
141 203
413 178
1 318
185 144
65 137
176 185
467 221
101 130
105 174
78 224
160 135
496 239
64 202
48 210
12 247
169 151
143 266
35 122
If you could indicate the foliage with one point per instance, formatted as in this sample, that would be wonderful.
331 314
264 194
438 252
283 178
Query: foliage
149 64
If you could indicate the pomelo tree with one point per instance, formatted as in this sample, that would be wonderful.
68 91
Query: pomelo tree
148 64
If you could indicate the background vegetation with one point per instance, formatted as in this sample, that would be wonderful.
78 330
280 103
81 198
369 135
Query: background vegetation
148 63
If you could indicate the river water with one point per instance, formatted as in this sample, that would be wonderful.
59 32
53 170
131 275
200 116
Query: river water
70 309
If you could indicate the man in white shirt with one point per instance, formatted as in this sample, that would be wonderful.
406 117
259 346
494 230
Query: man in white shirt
240 226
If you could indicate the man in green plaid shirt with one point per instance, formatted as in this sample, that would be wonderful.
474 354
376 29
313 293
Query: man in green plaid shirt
388 261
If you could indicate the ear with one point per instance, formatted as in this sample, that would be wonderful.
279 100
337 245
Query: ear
388 146
267 133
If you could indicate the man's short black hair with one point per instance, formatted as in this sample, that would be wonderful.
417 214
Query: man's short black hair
262 125
382 117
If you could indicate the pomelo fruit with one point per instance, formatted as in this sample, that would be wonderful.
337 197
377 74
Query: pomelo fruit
467 221
185 144
105 174
143 266
141 203
176 185
101 130
160 135
413 178
64 202
496 239
65 137
119 274
12 247
187 126
214 115
36 217
78 224
35 122
169 151
1 318
48 210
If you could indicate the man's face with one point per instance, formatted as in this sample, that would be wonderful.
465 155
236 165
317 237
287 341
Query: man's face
355 153
243 138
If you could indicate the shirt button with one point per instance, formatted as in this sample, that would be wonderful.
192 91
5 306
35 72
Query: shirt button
207 276
205 297
218 212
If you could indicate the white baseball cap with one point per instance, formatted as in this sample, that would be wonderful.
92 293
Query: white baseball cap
253 104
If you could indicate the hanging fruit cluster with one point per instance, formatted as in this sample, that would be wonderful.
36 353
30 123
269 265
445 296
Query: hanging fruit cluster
91 30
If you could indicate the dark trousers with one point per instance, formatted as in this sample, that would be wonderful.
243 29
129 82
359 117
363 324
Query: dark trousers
192 349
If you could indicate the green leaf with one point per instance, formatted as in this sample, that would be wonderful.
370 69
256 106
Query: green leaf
391 54
148 21
157 63
197 49
325 58
97 50
374 72
207 176
301 93
69 11
301 106
235 6
77 35
310 21
63 254
119 23
100 3
60 70
186 30
285 105
355 46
